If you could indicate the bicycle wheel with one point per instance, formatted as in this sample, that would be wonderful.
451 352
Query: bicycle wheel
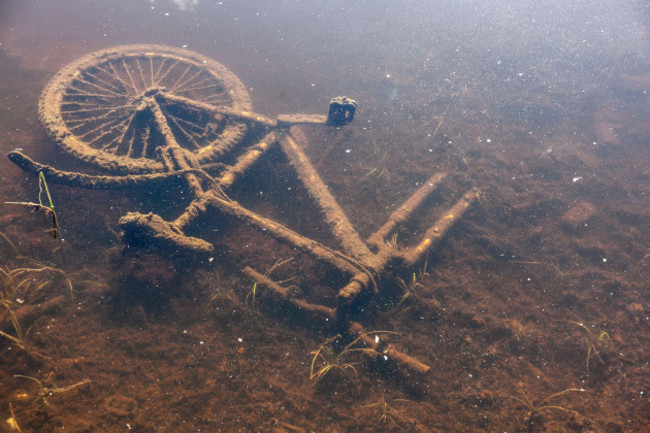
95 108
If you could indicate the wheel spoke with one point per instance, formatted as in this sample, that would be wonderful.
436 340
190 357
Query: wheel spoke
128 73
81 92
86 130
156 76
151 71
109 81
100 88
188 137
199 85
144 82
120 139
160 80
116 75
88 117
198 129
182 77
110 131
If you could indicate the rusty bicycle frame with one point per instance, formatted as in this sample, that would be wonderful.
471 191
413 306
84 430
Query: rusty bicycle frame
120 111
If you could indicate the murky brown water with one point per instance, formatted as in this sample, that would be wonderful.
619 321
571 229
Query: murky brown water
533 312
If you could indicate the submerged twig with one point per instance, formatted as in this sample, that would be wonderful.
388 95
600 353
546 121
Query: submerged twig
50 219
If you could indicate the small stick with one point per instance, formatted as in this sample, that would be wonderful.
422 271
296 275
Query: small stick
56 231
49 215
29 313
14 421
42 185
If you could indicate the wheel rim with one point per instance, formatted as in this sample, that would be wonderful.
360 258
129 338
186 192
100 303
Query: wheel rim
95 108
